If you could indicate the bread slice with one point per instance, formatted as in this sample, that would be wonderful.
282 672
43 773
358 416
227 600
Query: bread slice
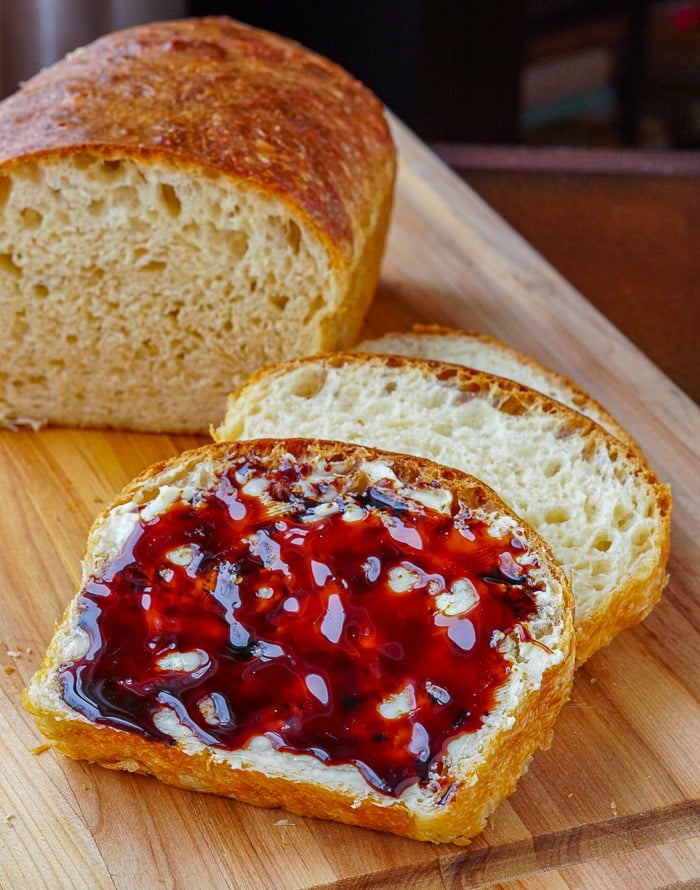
180 203
485 353
351 634
602 510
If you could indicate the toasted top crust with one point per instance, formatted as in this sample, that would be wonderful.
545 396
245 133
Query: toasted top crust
216 94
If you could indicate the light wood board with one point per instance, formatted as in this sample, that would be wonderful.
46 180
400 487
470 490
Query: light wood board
614 802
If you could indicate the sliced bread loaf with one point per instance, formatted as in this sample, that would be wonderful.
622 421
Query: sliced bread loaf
180 203
600 507
352 634
485 353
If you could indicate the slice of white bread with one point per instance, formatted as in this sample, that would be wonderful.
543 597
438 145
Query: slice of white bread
180 203
351 634
600 507
485 353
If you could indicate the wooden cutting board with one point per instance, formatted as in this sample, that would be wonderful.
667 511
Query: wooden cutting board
614 802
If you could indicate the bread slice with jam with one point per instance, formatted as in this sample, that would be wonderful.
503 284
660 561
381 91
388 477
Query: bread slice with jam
348 633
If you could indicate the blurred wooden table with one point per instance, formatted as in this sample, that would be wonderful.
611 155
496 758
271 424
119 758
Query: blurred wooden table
622 226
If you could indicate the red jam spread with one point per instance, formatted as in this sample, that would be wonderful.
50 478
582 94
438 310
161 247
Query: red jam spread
317 619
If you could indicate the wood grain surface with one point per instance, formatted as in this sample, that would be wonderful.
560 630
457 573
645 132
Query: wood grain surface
613 802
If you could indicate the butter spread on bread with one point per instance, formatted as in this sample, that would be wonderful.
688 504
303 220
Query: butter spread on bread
181 202
352 634
592 498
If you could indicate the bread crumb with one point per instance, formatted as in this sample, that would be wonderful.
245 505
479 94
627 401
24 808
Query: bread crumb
10 669
613 808
284 823
41 748
85 786
14 653
9 818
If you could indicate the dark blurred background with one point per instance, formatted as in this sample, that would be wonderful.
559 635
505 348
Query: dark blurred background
546 72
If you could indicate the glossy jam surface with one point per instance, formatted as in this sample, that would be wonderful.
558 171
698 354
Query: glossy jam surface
357 627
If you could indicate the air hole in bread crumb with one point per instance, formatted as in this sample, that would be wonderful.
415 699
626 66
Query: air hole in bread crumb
110 170
293 236
602 543
31 217
623 519
7 264
279 301
96 207
555 515
513 406
309 382
169 199
589 451
237 245
40 291
154 266
640 537
552 468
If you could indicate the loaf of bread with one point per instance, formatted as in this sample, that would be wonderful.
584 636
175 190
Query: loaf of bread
180 203
351 634
485 353
599 506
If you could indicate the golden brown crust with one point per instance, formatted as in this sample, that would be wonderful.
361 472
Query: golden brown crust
472 798
215 94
